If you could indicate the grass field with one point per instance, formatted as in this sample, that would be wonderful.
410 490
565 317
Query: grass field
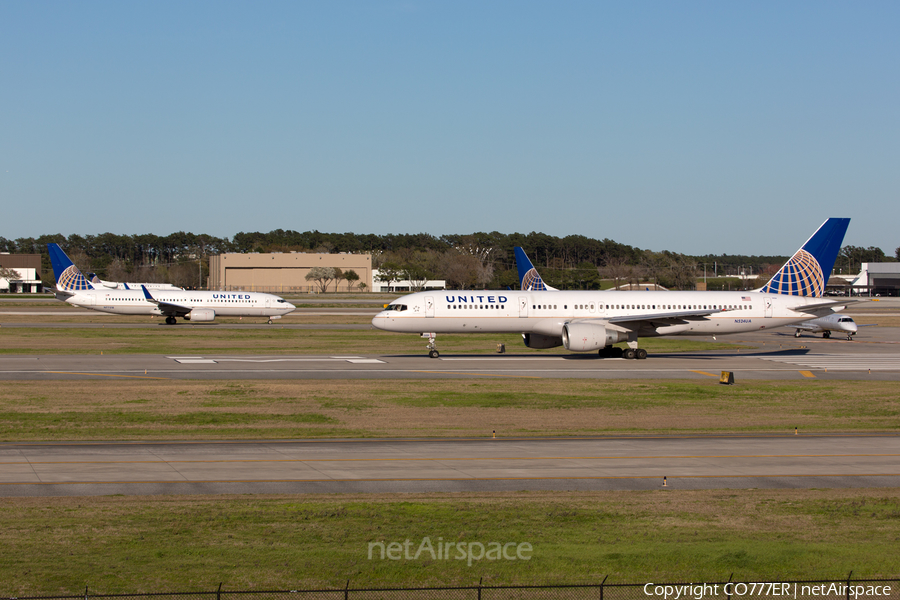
161 543
159 409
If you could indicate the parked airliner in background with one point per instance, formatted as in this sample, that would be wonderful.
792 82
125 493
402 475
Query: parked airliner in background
592 321
121 285
199 306
825 325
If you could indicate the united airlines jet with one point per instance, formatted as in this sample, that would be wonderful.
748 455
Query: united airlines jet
198 306
592 321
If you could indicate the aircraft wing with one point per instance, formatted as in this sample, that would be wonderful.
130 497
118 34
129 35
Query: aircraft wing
825 308
654 320
167 308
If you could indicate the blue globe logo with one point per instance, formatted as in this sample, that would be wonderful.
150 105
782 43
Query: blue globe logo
72 279
532 281
801 276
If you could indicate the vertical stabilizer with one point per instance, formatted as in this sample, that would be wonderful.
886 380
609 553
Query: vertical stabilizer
68 277
807 272
529 280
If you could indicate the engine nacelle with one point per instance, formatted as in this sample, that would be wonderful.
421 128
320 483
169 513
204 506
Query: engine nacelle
201 314
587 337
539 342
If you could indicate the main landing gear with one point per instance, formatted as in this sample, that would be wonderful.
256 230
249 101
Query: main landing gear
797 333
629 353
432 350
826 334
171 320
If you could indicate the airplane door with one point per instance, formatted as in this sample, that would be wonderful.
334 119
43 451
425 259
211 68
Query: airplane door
429 306
523 306
769 309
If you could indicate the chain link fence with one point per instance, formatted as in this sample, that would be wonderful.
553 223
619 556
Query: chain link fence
846 589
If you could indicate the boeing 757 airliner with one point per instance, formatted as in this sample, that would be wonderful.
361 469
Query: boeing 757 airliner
74 288
592 321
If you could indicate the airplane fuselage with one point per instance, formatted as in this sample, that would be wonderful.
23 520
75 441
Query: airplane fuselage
546 312
225 304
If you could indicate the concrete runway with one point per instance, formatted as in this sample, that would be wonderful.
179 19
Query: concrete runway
873 355
389 466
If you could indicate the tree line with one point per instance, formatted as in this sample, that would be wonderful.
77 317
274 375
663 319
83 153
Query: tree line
465 261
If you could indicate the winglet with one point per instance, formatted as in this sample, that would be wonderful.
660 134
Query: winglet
148 297
529 279
68 276
807 272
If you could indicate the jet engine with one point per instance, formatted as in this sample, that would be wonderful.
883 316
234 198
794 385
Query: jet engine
588 337
539 342
200 315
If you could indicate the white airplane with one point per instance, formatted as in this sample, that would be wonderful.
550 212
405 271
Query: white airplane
199 306
592 321
825 325
121 285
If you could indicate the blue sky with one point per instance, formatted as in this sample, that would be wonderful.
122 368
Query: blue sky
697 127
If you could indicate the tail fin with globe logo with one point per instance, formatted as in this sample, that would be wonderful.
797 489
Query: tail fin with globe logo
68 277
807 272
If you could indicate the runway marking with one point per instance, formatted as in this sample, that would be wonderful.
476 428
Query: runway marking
807 374
401 479
349 359
102 375
842 362
704 373
439 459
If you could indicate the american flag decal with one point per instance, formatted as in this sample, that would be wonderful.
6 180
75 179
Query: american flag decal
745 298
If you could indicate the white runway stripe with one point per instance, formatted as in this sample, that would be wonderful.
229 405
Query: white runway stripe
843 362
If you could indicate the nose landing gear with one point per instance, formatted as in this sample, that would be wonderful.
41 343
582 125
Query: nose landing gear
432 349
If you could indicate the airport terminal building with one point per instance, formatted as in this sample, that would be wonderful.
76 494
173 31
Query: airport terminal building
878 279
280 272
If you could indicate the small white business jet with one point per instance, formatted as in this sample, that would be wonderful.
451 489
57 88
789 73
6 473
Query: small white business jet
825 325
592 321
198 306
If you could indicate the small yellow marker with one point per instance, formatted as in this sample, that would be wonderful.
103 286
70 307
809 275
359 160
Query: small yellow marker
665 482
795 431
495 434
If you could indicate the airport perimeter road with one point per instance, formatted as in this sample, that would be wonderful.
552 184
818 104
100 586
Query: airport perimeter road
776 356
387 466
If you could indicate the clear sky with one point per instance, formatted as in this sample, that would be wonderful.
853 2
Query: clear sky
697 127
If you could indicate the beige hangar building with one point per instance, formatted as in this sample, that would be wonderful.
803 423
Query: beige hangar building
283 272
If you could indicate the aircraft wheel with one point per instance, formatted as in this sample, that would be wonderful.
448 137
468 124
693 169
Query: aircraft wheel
826 335
630 353
849 337
269 322
640 354
433 354
170 320
797 333
617 353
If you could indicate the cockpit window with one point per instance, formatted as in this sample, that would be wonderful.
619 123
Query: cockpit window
396 307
